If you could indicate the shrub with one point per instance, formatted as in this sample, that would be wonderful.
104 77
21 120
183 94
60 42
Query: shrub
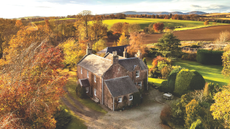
172 78
188 80
209 57
165 114
81 92
164 86
62 117
136 99
165 72
197 82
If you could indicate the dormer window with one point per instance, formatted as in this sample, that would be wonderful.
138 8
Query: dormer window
130 97
135 66
87 74
137 74
120 99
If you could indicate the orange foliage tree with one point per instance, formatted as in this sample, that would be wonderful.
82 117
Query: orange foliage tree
135 44
117 28
31 87
158 27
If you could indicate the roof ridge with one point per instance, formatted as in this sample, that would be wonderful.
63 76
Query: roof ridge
129 58
100 57
116 78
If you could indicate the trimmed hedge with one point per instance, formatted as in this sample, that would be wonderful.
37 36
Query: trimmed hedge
172 78
209 57
164 86
187 80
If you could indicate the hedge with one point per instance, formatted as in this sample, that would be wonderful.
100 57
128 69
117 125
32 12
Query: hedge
164 86
187 80
209 57
172 78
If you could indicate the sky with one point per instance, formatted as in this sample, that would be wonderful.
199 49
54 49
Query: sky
24 8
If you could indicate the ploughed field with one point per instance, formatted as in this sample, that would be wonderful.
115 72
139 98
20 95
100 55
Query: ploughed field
201 34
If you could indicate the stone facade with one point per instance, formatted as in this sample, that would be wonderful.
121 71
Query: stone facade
105 75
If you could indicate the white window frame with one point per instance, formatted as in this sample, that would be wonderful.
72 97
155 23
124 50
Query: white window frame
81 70
87 90
95 92
130 97
95 78
139 84
87 74
137 73
119 99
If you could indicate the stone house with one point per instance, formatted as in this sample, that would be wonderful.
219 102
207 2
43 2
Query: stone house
112 80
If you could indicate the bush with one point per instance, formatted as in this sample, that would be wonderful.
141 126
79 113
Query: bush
209 57
164 86
81 92
197 82
165 115
63 118
187 80
172 78
165 71
136 99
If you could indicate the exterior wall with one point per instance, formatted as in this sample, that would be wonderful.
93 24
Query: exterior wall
96 85
108 99
142 77
123 103
116 70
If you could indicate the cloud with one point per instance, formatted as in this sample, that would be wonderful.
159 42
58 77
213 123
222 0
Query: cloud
42 6
196 6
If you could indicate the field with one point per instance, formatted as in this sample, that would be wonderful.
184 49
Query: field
144 22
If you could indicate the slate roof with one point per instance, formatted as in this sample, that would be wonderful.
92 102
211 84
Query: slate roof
119 49
129 63
84 82
121 86
95 64
110 56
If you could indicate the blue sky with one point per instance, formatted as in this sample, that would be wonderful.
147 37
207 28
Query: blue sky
23 8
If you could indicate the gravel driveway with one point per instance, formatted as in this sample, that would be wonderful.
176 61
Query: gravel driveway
144 116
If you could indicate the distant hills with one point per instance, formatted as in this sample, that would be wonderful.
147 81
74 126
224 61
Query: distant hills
163 13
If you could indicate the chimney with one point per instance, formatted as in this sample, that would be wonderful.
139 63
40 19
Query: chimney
125 53
138 54
115 57
88 50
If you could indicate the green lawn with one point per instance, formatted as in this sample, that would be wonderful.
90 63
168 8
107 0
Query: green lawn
211 73
144 22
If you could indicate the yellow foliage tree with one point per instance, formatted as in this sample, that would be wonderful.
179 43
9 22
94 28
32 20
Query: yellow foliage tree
221 109
192 111
73 51
99 45
123 40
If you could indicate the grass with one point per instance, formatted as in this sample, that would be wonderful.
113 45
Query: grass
71 86
211 73
76 122
144 22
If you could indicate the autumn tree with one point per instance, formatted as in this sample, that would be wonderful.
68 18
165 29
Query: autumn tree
99 45
134 28
158 27
117 28
98 30
123 40
206 22
136 43
31 87
168 45
85 15
73 51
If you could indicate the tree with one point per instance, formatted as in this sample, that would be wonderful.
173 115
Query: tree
226 61
168 45
220 109
31 87
206 22
117 28
192 111
85 16
134 28
123 40
98 30
99 45
136 43
73 51
158 27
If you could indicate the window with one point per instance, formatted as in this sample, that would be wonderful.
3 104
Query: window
95 92
130 97
87 74
87 90
139 84
137 74
120 99
95 78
